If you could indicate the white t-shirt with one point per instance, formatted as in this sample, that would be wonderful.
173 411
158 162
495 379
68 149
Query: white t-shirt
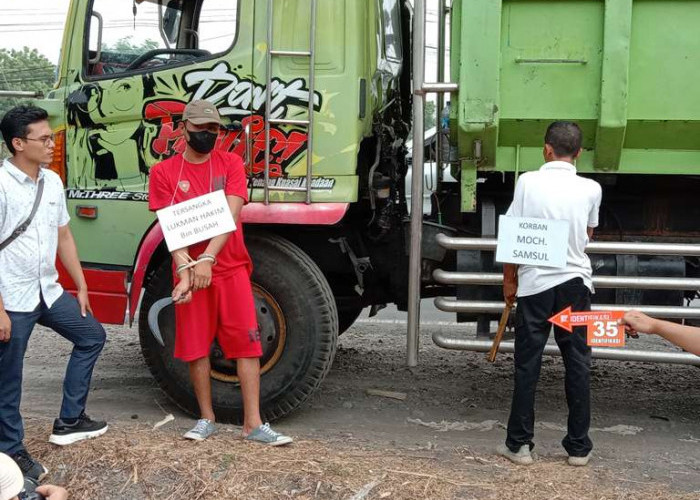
556 192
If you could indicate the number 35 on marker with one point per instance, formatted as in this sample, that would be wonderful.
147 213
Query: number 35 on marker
602 327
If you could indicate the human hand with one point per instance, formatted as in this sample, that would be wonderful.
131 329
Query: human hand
84 302
202 275
510 289
5 327
638 322
52 492
182 293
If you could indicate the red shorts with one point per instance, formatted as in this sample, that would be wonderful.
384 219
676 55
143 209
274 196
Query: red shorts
225 311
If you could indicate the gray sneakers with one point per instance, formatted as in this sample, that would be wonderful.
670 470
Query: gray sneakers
265 435
521 457
201 431
579 461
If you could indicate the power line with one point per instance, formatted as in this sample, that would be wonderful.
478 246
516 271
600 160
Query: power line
21 82
32 30
30 68
28 78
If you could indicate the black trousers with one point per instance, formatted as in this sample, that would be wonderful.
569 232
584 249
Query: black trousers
531 334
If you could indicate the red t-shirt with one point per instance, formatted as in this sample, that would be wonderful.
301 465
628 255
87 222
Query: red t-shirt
176 180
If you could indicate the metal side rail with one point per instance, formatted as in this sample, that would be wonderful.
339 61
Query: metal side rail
681 358
447 341
449 304
645 282
603 247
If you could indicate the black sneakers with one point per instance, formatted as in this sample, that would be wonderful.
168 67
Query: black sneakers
29 466
65 433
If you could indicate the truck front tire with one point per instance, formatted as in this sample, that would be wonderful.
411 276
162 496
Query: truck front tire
298 325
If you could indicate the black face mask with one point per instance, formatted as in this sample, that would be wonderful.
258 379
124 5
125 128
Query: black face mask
202 142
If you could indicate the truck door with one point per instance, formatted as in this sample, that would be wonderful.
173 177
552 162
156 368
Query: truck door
141 62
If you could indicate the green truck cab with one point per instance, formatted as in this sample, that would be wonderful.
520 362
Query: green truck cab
317 97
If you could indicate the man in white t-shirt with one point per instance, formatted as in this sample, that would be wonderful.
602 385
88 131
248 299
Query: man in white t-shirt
553 192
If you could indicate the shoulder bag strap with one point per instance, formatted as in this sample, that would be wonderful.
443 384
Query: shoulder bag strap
23 226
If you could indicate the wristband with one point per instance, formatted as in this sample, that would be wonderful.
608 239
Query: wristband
188 262
181 267
207 257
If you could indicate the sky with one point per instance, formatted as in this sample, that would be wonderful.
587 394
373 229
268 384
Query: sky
41 27
38 27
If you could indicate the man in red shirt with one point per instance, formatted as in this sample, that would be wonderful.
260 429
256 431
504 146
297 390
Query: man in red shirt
214 299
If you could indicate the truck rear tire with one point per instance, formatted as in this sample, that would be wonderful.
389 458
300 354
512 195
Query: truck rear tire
298 327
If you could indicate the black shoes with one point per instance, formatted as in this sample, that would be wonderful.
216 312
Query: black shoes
65 433
29 466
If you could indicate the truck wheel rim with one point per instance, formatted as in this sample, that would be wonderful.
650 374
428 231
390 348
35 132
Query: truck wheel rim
273 336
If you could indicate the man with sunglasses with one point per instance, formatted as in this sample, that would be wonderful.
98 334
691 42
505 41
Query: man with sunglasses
33 232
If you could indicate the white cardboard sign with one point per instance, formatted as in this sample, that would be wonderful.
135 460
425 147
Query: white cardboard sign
531 241
199 219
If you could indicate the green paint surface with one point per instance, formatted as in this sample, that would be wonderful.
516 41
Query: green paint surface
625 70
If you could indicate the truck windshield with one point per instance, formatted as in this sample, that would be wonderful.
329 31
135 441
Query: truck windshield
134 36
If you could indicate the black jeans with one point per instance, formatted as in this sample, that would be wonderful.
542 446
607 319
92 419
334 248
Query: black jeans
531 333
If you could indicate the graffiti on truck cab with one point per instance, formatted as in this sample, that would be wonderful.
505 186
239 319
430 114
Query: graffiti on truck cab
285 147
109 143
236 96
121 128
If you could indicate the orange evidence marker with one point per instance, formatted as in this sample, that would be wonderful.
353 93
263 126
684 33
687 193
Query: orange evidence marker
602 328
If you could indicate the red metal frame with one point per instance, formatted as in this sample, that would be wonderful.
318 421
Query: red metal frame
316 214
106 290
150 243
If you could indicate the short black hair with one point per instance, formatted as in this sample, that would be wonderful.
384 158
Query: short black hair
17 120
564 137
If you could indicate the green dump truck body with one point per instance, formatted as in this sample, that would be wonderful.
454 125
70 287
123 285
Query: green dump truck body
625 70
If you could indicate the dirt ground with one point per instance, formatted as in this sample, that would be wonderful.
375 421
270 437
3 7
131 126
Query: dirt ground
437 443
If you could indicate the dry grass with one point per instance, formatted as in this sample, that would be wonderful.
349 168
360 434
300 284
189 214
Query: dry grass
136 463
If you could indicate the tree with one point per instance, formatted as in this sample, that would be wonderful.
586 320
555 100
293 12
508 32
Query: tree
126 45
24 69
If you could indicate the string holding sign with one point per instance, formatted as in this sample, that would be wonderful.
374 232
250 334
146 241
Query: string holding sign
602 327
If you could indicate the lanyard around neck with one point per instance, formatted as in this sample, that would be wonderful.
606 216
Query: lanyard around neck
179 177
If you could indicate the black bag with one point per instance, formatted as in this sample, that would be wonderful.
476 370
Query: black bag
23 226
